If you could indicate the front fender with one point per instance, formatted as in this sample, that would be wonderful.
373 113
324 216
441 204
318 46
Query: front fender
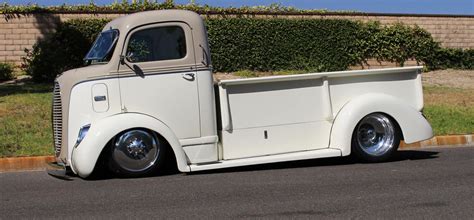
84 156
412 123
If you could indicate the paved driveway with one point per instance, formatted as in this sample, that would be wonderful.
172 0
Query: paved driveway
433 183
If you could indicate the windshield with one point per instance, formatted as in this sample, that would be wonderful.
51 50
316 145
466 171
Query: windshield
103 45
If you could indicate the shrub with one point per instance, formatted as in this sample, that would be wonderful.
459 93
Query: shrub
63 50
6 71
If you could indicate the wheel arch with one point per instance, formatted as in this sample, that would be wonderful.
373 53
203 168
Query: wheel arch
86 155
412 124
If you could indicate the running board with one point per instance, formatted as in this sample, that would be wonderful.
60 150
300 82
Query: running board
301 155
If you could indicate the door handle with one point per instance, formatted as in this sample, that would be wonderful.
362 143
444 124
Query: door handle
189 76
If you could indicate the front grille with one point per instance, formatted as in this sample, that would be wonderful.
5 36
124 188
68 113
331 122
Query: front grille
57 119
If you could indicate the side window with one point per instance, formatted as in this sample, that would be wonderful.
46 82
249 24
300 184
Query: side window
154 44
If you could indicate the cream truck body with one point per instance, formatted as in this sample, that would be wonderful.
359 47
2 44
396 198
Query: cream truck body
171 102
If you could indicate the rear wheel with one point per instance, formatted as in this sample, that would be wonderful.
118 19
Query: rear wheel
375 138
136 152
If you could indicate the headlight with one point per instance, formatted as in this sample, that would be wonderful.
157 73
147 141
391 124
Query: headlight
82 134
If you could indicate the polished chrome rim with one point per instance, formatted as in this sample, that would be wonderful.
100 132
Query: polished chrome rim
376 134
136 150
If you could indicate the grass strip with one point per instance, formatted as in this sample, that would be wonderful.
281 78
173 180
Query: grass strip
25 120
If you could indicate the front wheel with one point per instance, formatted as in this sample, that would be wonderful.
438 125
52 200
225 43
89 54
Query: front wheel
135 153
375 138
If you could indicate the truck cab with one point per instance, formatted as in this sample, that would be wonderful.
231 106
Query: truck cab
146 66
148 94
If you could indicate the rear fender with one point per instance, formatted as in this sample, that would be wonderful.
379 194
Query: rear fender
85 156
412 123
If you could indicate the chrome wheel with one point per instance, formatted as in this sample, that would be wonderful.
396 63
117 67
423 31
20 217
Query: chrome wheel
376 135
136 151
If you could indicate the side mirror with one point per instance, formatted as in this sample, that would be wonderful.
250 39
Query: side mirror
135 68
129 57
138 71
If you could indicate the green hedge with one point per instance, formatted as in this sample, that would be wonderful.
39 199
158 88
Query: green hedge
397 43
278 44
126 7
269 45
444 58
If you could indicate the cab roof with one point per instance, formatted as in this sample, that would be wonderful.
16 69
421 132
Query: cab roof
128 22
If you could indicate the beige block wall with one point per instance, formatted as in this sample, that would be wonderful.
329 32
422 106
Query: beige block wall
20 32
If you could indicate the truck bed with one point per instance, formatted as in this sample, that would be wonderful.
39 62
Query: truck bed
266 115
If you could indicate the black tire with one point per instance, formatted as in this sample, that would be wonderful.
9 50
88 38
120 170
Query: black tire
375 138
136 153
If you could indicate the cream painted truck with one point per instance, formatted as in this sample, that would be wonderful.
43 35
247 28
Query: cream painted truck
148 95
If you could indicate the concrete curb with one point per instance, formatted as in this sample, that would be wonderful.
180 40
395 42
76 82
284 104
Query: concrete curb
442 141
12 164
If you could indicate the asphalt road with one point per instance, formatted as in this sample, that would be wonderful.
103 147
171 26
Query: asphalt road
433 183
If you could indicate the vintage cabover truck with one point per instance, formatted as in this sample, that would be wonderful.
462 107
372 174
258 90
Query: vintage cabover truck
148 95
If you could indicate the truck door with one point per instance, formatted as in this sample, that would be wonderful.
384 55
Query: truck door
157 76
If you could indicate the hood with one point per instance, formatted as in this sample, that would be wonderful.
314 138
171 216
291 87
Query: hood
67 80
74 76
